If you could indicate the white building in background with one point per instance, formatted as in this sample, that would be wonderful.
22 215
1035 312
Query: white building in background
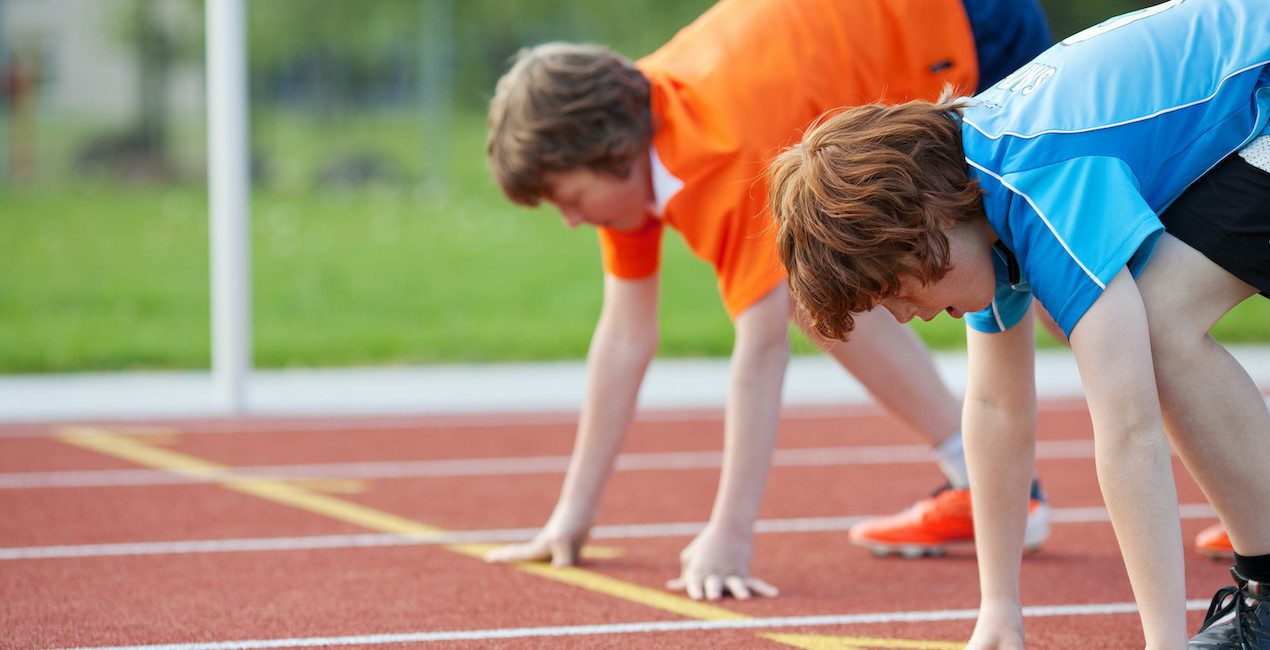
88 68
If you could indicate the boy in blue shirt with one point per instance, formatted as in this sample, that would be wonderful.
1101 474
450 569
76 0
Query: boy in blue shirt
1122 178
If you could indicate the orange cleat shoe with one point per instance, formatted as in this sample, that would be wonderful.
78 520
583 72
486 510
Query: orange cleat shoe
930 526
1215 543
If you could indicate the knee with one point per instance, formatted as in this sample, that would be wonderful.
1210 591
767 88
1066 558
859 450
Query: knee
1176 335
1179 357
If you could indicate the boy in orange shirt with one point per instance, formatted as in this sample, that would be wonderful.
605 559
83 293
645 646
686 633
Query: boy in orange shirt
681 139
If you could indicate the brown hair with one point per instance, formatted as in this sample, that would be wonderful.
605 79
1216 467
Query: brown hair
860 203
562 107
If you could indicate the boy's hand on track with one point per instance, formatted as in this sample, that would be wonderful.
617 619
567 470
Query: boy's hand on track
715 564
559 544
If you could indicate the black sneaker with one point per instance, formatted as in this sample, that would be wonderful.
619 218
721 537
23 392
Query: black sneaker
1237 619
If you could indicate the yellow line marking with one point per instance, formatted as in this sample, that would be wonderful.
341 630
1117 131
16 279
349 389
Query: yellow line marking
289 493
153 435
286 493
655 598
824 642
813 642
590 552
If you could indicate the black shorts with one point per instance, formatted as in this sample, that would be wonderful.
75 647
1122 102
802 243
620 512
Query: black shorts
1226 216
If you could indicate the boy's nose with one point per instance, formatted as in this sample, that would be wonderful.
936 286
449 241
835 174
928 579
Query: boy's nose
901 315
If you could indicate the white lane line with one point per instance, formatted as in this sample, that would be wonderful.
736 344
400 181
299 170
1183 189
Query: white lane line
776 622
627 531
467 467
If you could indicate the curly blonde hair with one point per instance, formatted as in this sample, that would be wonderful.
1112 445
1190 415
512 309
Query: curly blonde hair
862 201
565 106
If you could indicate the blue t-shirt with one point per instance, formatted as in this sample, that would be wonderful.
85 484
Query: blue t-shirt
1079 151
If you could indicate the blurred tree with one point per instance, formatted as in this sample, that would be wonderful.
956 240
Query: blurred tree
160 33
1070 16
334 58
333 54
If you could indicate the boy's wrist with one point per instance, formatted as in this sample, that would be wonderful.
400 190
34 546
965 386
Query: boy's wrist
570 513
733 525
1001 607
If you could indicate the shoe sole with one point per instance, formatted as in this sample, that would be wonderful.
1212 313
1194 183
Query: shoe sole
1038 530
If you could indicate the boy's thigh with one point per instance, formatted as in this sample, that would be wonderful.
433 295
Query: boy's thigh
1225 215
1185 292
1216 250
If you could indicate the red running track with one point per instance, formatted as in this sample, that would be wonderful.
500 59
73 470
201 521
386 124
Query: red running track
271 533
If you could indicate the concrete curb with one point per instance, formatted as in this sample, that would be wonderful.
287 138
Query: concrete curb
459 389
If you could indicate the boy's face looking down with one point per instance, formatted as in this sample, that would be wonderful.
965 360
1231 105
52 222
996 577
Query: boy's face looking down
603 200
967 287
866 204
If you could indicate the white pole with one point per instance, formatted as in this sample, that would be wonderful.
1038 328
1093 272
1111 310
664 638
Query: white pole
229 187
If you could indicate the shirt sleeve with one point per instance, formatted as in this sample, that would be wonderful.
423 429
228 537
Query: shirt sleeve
632 255
1073 225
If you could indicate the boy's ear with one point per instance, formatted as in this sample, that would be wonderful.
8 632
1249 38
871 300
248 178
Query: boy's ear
945 223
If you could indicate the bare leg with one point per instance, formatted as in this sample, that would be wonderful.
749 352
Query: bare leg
893 365
1213 412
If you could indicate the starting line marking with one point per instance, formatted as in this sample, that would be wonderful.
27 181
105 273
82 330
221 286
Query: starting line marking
647 627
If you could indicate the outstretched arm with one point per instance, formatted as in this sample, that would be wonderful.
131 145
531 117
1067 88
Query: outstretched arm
1135 470
999 429
624 343
718 559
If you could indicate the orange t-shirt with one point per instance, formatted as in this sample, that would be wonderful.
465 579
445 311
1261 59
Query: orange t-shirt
741 82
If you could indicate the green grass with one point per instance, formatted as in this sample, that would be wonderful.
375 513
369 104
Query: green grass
99 276
110 280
